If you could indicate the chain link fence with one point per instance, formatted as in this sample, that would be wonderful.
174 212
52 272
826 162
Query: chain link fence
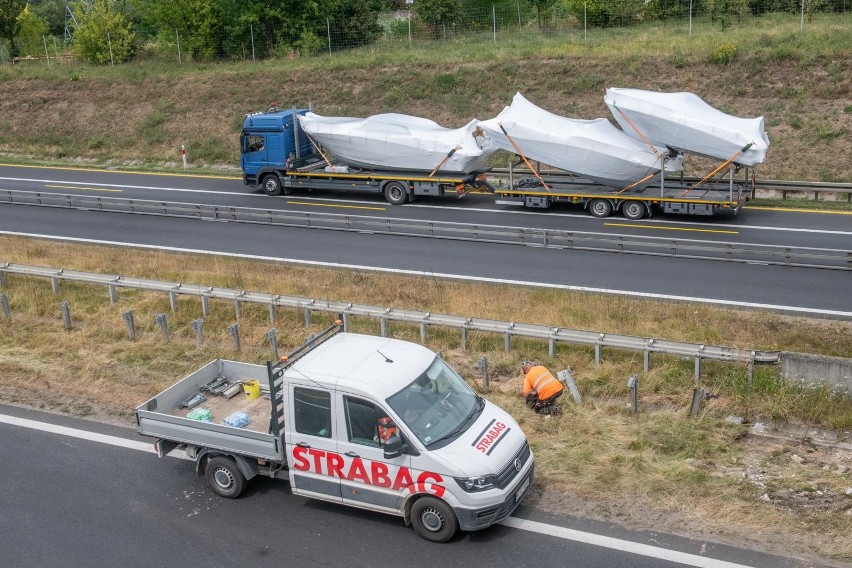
419 23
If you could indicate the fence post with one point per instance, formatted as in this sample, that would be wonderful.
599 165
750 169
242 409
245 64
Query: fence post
251 32
802 21
4 302
409 29
198 327
66 314
234 332
46 53
519 15
109 41
272 337
328 29
585 22
177 37
690 18
494 22
131 323
163 321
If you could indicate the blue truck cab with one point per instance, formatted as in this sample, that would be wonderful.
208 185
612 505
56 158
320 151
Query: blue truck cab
271 141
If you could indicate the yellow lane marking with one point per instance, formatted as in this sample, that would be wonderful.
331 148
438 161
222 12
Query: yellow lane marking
670 228
86 188
794 210
340 206
164 174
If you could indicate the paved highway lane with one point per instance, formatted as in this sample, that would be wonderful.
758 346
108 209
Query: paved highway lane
812 229
78 493
799 290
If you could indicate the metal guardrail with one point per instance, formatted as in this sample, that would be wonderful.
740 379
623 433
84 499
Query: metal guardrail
551 238
345 310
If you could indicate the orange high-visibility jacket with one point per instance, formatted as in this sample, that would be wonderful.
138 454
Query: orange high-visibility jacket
540 379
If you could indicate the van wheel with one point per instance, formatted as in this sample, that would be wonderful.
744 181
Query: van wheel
600 207
225 477
395 193
633 210
271 185
434 520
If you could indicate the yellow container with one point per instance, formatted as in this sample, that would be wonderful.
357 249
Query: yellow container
252 389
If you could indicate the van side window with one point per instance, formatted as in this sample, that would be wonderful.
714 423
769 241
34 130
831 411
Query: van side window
361 421
254 143
312 412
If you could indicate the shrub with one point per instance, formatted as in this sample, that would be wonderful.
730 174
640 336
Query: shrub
724 54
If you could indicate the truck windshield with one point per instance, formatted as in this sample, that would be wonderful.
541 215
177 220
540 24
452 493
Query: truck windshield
437 405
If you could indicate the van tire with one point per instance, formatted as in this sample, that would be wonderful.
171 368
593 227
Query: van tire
271 185
396 193
224 477
434 520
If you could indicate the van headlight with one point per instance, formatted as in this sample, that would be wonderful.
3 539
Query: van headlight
474 484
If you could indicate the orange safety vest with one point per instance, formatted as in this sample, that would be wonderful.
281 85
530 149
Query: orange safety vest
540 379
386 428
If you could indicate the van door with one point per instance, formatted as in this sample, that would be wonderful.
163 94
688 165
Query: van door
311 444
368 479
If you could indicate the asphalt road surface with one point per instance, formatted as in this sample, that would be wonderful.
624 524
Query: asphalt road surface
80 493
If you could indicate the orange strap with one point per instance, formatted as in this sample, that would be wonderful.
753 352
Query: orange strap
633 126
722 165
444 161
521 154
318 150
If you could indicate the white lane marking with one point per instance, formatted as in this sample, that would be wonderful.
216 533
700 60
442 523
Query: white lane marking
532 526
618 544
584 216
644 295
86 435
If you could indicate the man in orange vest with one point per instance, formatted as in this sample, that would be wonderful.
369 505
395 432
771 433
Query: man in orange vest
541 388
386 429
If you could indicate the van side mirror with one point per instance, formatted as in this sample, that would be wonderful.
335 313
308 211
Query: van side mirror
394 447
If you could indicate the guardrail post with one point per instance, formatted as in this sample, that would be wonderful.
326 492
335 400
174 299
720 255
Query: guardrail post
113 294
698 396
272 337
423 330
205 305
598 349
198 327
54 285
508 340
566 377
698 365
4 302
633 385
3 277
66 314
131 323
383 325
751 370
272 313
551 343
238 309
345 319
464 338
483 366
234 332
173 300
308 317
646 359
163 321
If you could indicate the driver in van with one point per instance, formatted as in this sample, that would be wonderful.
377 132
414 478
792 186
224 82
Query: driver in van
386 429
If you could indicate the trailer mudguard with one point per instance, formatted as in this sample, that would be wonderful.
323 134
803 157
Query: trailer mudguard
247 467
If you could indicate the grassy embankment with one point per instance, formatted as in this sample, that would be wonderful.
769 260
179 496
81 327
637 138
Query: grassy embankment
680 474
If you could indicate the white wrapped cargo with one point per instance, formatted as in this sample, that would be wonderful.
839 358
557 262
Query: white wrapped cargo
400 142
685 122
593 149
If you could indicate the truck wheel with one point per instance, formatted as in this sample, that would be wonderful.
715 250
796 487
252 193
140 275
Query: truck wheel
633 210
225 477
600 207
395 193
271 185
434 520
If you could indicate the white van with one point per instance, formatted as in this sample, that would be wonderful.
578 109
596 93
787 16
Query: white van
371 422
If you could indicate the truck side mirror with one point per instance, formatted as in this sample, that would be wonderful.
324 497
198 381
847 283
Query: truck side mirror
394 447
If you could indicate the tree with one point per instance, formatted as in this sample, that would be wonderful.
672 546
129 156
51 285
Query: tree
435 13
102 34
30 33
52 13
540 7
10 26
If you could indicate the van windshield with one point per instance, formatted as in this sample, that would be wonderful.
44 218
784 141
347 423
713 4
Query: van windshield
437 405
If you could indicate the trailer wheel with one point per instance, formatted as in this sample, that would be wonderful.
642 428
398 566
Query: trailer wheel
395 193
225 477
434 520
600 207
271 185
633 210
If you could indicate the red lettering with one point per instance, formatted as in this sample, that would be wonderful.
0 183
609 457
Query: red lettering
318 454
490 436
357 471
403 479
432 488
334 463
301 463
380 474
